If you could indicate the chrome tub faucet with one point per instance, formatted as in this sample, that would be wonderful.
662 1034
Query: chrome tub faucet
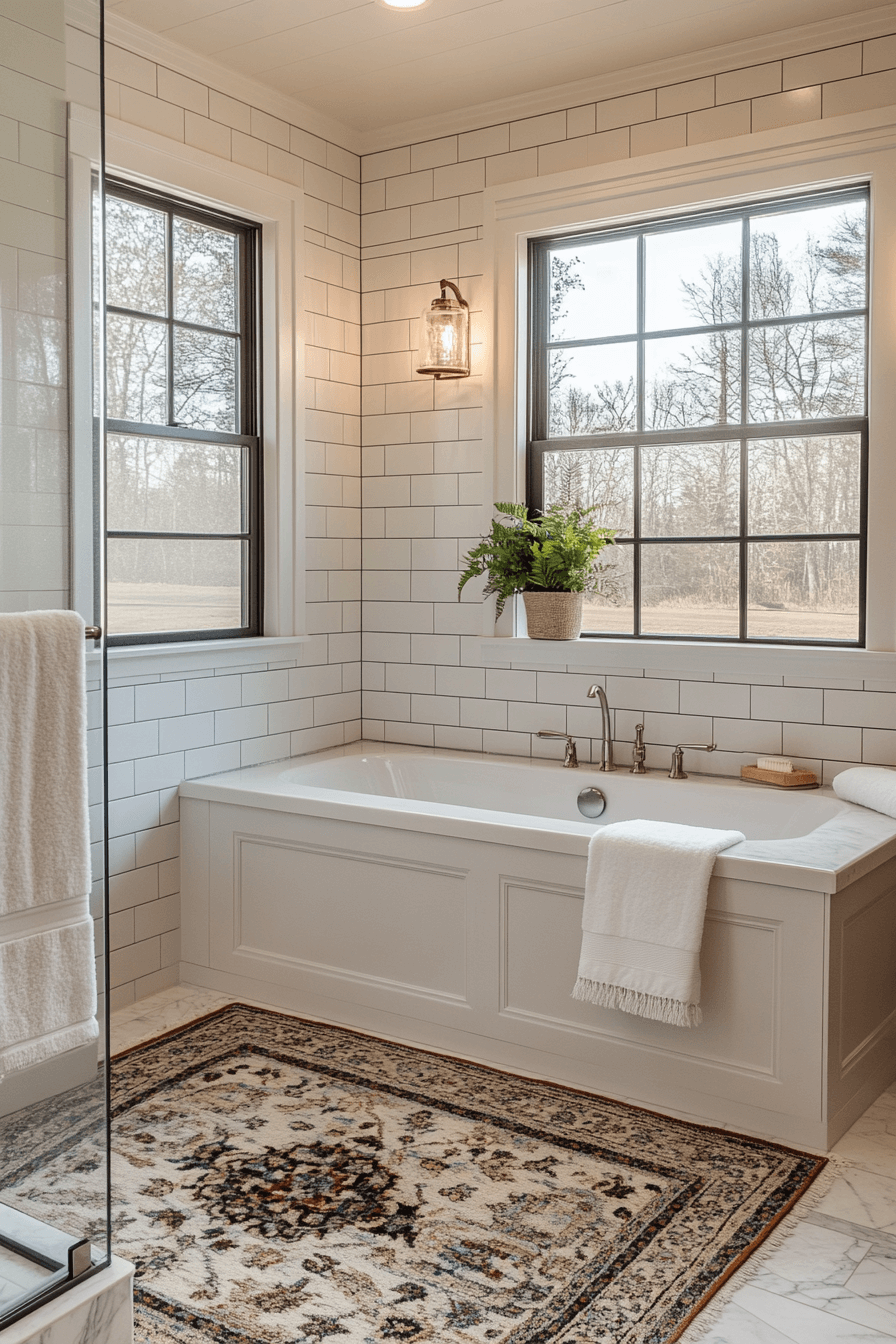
606 748
570 759
677 771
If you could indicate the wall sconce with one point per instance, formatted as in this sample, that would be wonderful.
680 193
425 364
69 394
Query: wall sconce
445 336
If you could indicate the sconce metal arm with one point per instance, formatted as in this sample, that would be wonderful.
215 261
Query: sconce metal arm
448 284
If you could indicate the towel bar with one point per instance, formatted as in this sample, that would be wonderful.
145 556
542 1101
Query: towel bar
92 632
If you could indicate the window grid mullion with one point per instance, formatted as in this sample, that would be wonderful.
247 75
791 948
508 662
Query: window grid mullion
130 534
709 328
744 557
250 489
744 433
636 455
735 538
775 429
177 321
169 286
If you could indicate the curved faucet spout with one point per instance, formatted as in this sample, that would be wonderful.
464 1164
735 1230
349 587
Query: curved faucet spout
606 749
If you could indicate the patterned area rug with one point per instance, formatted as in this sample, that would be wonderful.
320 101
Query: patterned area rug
282 1181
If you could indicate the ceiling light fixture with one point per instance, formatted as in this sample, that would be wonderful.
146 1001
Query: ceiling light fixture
445 336
403 4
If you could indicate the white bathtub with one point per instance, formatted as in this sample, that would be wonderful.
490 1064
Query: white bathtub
436 897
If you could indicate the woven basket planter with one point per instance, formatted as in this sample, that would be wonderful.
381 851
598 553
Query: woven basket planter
554 615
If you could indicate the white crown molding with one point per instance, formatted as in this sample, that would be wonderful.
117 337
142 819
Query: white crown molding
865 24
84 14
122 33
875 22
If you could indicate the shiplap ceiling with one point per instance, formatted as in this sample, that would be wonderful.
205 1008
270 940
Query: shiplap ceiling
371 67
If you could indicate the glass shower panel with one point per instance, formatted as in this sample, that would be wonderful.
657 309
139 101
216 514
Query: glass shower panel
54 1130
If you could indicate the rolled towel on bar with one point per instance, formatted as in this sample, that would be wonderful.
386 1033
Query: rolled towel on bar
642 925
872 786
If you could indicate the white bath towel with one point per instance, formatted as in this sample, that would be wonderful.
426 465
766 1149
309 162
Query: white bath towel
47 968
871 786
642 925
47 995
44 840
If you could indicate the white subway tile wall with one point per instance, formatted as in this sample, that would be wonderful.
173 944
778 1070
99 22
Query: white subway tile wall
170 727
423 466
419 474
175 726
33 370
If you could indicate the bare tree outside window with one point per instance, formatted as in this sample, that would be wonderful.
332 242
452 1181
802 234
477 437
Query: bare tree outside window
702 381
181 446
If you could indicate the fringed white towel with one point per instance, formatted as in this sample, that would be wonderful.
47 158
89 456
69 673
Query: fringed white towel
642 925
871 786
47 968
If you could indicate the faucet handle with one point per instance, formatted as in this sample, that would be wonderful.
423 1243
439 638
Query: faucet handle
677 771
639 752
570 759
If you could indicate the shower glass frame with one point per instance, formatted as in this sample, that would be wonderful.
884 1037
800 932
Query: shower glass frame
57 1146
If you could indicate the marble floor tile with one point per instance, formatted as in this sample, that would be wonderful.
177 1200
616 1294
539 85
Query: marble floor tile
810 1257
865 1198
161 1012
804 1324
875 1280
871 1143
736 1325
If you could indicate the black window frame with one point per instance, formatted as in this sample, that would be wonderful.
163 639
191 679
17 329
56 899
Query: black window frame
249 399
743 432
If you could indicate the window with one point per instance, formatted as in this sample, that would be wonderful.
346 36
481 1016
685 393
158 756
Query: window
182 446
702 380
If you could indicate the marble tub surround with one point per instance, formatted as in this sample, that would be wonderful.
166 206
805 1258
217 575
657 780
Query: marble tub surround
160 1012
97 1311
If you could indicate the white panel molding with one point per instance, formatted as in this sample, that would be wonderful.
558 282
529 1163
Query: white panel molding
341 973
886 1026
361 856
570 1026
264 957
120 32
872 1040
851 149
146 158
763 1062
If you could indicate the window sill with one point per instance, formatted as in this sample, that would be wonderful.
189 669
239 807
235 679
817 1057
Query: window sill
194 656
755 660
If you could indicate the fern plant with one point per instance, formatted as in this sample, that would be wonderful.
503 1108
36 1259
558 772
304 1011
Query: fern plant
556 553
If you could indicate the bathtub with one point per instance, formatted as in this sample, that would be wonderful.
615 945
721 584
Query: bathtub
435 897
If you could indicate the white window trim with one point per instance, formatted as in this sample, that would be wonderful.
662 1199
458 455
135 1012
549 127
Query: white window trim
857 148
157 162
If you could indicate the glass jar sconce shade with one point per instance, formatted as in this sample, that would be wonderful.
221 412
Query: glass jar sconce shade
445 336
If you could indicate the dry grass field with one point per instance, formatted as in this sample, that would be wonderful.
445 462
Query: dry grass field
138 608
